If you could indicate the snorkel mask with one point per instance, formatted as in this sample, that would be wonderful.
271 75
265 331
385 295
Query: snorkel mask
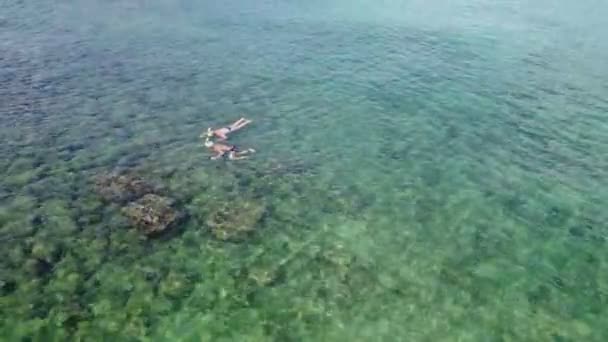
207 134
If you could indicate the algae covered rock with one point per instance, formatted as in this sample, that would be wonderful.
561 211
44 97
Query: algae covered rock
175 285
122 188
235 220
47 250
338 260
153 214
264 276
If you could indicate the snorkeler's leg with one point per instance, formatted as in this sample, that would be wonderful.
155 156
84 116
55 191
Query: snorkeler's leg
243 124
236 156
244 152
236 124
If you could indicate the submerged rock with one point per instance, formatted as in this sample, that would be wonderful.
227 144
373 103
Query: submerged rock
339 260
263 277
235 220
48 251
175 285
122 188
7 287
152 214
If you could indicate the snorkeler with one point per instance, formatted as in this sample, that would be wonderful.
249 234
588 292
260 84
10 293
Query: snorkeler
221 150
222 133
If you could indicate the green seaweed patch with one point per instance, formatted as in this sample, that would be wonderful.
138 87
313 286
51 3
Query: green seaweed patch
22 178
21 172
16 217
122 188
88 204
57 218
17 228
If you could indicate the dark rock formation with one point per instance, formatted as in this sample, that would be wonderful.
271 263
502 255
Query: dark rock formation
153 214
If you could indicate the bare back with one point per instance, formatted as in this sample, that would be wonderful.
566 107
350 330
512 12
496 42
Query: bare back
221 133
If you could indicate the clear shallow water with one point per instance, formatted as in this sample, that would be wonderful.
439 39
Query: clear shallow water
451 161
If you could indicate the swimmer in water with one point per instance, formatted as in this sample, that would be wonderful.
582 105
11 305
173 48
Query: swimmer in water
222 133
222 150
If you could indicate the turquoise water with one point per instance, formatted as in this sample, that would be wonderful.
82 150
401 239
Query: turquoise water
428 171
